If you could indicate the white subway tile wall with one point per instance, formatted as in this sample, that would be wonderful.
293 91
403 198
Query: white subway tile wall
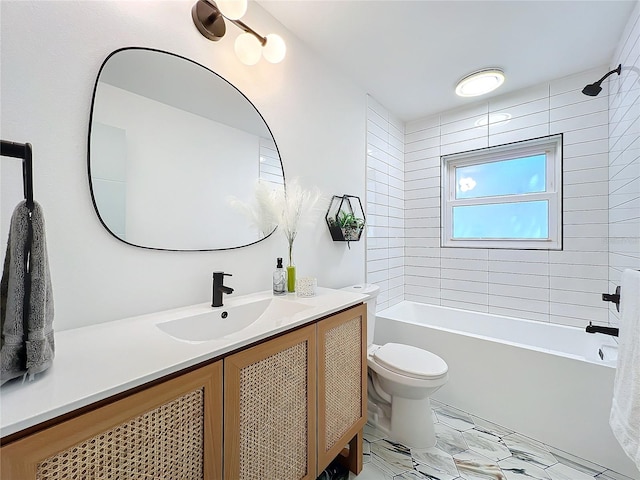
385 204
624 158
515 282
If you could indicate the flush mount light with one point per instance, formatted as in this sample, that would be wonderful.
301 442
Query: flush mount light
209 18
481 82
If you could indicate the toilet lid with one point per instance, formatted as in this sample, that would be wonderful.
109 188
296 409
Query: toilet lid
411 361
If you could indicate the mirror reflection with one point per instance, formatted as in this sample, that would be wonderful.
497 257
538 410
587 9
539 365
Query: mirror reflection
170 142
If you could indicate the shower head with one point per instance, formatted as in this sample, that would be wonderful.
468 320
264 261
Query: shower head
593 89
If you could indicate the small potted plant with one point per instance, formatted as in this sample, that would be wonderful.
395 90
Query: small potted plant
350 225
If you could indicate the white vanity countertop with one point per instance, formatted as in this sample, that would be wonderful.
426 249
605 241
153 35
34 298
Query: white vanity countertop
96 362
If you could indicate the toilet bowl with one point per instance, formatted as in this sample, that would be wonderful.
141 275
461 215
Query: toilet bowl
401 380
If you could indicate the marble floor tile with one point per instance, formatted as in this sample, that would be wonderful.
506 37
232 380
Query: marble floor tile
435 463
415 475
454 418
371 471
491 428
373 434
473 466
529 450
609 475
391 456
560 471
516 469
486 444
449 440
366 451
470 448
579 464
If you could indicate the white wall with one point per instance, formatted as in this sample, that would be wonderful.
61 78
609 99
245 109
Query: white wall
51 53
385 203
624 157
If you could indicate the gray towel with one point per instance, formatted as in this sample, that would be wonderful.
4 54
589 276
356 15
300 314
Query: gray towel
33 354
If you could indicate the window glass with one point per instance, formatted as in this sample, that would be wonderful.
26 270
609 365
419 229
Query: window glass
518 220
506 177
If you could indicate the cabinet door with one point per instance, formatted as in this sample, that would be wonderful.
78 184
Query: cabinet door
342 386
270 409
170 431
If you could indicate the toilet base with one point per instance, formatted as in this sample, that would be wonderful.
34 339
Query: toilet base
412 422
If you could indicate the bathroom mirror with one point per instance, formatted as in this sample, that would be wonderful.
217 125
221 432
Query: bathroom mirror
170 143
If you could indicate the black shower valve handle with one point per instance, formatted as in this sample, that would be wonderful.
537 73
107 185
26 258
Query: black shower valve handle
613 297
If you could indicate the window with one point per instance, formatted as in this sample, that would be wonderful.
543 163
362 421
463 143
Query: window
509 196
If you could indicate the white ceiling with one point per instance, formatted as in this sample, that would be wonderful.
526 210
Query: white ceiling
409 54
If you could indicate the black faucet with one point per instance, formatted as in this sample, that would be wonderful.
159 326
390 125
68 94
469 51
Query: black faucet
219 288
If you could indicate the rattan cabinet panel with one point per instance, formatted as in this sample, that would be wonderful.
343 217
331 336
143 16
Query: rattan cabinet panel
342 383
170 431
270 409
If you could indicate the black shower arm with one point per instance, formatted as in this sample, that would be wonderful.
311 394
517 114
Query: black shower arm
616 70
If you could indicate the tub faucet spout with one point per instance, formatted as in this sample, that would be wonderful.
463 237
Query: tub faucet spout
219 288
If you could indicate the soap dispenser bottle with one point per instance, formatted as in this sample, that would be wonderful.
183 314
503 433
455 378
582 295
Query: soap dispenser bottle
279 279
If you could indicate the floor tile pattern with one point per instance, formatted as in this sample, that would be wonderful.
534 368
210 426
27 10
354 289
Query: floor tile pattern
469 448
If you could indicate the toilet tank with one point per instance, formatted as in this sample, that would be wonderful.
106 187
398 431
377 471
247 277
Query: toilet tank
371 291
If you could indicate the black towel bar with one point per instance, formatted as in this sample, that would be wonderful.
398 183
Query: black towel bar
23 151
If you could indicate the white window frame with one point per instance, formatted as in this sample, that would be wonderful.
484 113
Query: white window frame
552 147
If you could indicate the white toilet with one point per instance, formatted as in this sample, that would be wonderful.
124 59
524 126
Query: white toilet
401 380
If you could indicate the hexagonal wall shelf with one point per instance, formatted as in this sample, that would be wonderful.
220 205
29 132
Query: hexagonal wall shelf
345 218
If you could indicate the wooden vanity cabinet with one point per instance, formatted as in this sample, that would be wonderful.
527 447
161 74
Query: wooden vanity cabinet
270 409
288 406
172 430
277 392
342 387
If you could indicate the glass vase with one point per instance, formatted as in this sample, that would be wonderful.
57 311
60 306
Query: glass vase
291 272
291 278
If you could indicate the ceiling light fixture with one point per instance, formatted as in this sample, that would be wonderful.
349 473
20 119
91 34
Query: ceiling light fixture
208 17
481 82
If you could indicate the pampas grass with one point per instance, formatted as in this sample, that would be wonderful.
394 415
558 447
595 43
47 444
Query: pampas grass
288 209
295 208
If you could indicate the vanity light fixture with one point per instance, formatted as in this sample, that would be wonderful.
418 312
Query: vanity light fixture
208 17
480 82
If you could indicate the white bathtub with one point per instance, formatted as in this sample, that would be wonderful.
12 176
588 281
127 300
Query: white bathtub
543 380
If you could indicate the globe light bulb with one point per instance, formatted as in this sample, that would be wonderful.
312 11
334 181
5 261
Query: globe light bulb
232 9
275 49
248 48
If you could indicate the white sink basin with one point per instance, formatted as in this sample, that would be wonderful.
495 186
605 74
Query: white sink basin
224 321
